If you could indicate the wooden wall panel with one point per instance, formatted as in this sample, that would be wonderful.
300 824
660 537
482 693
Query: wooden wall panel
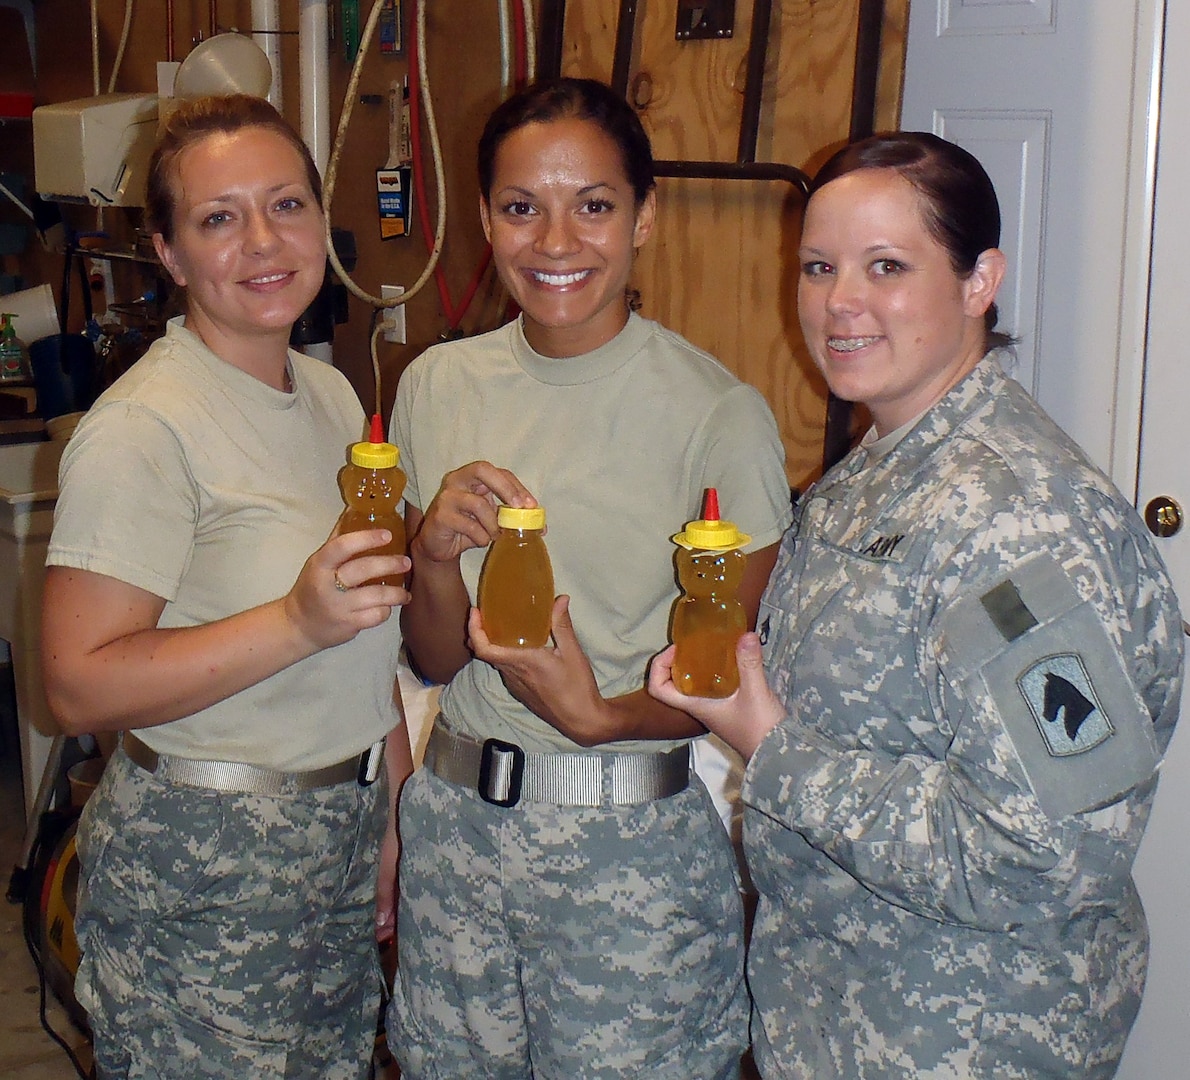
720 265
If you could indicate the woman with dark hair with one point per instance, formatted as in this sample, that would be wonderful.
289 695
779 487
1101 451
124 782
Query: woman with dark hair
969 665
569 899
228 885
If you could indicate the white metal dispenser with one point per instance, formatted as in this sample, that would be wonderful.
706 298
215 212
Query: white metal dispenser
94 149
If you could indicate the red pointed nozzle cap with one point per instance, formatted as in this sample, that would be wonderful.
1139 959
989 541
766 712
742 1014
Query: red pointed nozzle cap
377 452
710 533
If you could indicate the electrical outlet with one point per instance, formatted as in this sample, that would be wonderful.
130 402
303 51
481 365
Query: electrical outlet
394 317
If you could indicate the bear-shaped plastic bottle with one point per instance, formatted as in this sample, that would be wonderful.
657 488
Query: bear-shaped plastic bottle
708 618
372 486
516 584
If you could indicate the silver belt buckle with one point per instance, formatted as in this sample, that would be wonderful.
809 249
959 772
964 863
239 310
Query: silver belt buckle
501 771
369 764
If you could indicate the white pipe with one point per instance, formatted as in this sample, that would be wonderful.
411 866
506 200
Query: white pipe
266 27
315 101
314 80
505 23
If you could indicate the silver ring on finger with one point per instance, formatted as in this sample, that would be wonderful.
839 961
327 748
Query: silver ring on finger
339 583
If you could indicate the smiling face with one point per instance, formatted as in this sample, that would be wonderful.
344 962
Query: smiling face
886 317
564 226
248 241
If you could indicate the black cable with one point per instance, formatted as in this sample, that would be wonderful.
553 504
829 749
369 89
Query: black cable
42 1015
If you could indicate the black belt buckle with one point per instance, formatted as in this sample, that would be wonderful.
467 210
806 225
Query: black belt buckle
369 764
495 766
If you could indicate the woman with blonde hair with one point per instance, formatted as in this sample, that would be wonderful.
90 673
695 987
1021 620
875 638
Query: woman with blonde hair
229 857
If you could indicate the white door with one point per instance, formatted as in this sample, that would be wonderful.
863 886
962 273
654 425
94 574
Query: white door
1059 99
1160 1043
1053 97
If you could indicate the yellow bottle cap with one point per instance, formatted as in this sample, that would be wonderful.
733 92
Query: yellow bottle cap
710 533
370 455
711 536
375 453
521 517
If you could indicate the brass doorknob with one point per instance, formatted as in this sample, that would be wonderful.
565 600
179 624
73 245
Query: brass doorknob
1163 516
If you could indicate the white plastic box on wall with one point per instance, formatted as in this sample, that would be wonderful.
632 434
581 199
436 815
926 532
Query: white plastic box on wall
95 149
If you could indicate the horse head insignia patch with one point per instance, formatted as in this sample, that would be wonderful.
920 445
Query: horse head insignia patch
1064 705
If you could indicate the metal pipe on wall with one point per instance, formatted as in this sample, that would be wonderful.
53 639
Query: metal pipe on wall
762 16
867 68
625 32
315 106
550 38
266 32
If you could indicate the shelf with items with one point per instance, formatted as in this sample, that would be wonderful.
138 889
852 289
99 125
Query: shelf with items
126 328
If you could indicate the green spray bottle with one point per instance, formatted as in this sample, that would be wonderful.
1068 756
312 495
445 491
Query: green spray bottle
14 357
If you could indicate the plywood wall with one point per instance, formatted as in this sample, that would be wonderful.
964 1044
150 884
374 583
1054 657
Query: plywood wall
718 267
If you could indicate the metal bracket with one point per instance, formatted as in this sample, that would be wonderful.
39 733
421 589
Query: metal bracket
704 19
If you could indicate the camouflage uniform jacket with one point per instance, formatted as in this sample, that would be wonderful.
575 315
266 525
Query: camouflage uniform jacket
980 656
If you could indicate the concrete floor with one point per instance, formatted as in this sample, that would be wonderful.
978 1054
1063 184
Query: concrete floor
26 1051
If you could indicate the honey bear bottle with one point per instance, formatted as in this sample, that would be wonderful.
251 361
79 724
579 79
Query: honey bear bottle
372 486
708 618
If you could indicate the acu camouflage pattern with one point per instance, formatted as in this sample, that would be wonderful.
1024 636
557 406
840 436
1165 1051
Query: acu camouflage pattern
560 943
920 915
229 936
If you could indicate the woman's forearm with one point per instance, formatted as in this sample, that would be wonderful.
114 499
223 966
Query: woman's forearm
107 665
152 676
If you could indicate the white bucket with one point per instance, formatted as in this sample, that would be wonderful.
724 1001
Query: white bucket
37 316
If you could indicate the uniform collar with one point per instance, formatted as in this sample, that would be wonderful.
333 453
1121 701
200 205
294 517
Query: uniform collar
935 425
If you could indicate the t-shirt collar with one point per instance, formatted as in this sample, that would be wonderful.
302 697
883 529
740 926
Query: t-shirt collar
587 367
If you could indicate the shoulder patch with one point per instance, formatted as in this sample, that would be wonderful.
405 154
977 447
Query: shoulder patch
1064 705
1032 656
